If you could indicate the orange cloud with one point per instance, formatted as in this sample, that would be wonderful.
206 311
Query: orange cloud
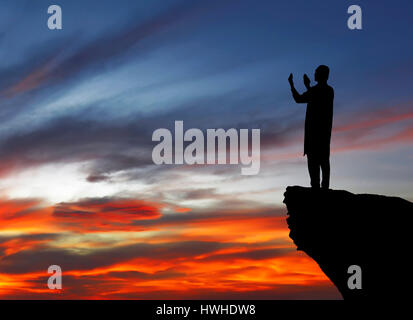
105 214
244 253
25 216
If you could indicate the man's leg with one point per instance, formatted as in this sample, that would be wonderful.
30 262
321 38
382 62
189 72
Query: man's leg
314 171
325 168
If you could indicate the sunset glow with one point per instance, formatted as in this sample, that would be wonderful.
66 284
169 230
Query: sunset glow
78 106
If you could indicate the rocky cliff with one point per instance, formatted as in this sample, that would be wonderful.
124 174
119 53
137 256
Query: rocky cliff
339 229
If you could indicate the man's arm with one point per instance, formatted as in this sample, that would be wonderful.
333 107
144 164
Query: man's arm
298 98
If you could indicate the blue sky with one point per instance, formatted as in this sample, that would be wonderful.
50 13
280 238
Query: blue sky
78 106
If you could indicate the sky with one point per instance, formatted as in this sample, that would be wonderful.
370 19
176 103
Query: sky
78 106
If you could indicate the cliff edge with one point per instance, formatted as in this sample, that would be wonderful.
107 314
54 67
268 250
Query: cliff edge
339 229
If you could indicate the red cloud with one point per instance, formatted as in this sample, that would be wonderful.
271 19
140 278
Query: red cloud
105 214
246 252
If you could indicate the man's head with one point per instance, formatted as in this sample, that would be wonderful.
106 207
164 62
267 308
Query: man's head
321 74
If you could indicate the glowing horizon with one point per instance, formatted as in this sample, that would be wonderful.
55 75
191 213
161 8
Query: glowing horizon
78 187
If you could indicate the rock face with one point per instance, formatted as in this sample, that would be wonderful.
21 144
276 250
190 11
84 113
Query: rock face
339 229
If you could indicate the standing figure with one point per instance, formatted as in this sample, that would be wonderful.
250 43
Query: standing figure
318 124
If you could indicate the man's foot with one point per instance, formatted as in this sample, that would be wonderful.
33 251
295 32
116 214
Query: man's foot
325 187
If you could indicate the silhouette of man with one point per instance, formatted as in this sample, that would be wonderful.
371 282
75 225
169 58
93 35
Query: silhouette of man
318 124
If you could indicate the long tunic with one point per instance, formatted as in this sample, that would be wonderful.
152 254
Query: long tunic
318 119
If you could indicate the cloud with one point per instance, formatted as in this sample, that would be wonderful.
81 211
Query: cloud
104 214
54 64
12 244
38 260
21 215
114 247
375 119
71 139
124 146
374 130
116 145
